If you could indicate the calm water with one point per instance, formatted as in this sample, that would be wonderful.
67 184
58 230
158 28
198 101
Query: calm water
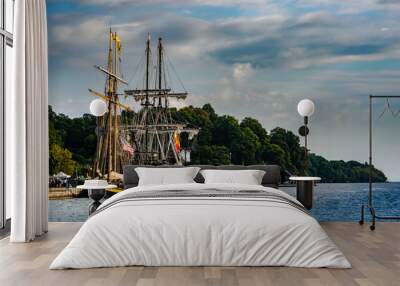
332 202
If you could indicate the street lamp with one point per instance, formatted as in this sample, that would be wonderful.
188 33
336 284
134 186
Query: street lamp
305 184
305 108
97 108
96 188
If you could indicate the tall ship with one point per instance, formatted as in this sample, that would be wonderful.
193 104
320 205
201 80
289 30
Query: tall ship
154 135
149 135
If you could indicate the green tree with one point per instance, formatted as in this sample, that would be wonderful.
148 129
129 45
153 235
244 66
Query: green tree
61 160
340 171
245 147
211 155
196 117
210 111
293 152
256 127
273 154
54 134
77 135
221 140
225 131
262 135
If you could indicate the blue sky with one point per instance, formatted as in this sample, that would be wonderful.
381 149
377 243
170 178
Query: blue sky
253 58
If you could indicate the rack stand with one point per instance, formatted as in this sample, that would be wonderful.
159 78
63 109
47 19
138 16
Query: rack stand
370 205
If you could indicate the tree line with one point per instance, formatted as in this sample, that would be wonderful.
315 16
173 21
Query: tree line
222 140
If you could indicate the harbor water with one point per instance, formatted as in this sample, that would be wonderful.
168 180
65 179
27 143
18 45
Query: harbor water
332 202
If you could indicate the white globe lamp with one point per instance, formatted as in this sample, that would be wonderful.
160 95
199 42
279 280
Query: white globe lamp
98 107
306 108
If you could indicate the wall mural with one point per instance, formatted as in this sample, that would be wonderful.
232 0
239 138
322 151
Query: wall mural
216 83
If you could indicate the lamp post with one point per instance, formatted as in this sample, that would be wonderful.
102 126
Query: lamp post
305 108
97 108
96 188
305 185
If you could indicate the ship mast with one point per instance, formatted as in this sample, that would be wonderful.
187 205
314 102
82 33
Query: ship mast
110 94
154 133
108 154
160 48
147 103
151 137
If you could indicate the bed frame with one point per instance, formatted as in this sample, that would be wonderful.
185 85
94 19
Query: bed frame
272 177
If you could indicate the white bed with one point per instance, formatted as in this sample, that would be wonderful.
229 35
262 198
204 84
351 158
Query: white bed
202 231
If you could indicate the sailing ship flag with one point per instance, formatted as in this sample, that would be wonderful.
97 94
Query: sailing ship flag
127 147
177 141
118 42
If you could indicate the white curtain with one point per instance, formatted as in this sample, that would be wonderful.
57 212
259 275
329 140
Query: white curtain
27 124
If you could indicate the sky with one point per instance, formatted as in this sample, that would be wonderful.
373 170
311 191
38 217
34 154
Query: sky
254 58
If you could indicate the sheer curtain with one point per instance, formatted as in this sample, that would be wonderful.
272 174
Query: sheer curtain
27 124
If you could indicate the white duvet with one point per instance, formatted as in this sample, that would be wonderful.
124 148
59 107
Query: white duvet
200 231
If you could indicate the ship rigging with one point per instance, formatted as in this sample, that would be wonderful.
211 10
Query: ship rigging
154 133
149 136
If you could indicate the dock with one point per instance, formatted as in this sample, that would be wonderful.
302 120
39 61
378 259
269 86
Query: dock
63 193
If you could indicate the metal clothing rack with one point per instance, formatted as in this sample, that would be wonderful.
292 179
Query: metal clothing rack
369 206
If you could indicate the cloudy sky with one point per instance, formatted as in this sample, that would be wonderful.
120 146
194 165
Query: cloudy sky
253 58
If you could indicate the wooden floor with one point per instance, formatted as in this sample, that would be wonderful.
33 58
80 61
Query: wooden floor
375 257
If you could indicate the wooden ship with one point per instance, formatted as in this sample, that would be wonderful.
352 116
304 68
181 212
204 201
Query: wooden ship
109 158
147 137
153 134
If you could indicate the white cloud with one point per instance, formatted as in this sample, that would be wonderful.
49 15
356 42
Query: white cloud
241 71
82 34
316 38
355 6
174 2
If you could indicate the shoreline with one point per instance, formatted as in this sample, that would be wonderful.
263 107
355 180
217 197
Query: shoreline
60 193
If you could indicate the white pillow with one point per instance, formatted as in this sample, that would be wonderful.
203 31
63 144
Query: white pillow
166 176
248 177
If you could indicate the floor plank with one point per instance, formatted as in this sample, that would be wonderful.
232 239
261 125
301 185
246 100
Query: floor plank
375 257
